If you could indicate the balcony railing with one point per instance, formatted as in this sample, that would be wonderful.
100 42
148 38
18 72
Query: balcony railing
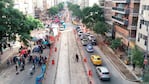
120 20
135 1
121 10
121 1
134 12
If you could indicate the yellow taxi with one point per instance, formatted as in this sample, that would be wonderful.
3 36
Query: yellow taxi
96 59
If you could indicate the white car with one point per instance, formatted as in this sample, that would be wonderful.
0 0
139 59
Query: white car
61 28
79 33
84 42
103 73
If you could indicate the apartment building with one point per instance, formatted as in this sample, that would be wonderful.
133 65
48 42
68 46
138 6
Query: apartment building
27 7
108 11
143 25
125 18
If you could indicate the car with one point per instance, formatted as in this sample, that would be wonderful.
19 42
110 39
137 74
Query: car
93 42
80 33
84 42
92 39
83 36
96 59
103 73
61 28
89 48
78 27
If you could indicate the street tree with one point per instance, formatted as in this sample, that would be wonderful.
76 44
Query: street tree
91 15
60 6
13 22
100 28
53 11
116 43
137 56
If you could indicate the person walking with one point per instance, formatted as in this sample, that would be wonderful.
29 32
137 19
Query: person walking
134 66
16 69
77 57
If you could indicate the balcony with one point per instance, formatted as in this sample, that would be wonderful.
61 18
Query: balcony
121 1
132 27
135 1
134 12
120 20
120 10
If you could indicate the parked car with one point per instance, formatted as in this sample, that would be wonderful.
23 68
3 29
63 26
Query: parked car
61 28
96 59
89 48
93 42
83 36
80 33
78 27
103 73
84 42
92 39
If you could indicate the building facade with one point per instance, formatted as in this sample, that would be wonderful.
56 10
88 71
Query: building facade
27 7
143 25
108 11
125 18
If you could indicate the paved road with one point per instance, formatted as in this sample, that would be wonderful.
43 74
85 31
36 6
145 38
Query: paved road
66 70
116 77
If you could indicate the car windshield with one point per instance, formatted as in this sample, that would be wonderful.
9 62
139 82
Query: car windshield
105 73
97 58
90 46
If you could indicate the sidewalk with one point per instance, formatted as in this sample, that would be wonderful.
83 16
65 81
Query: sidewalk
8 53
126 70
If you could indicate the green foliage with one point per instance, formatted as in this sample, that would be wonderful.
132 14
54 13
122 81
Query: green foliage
60 6
116 43
13 22
92 15
137 56
53 11
76 10
100 28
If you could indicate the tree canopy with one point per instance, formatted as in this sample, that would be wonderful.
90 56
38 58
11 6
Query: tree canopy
100 28
116 43
13 22
55 9
137 56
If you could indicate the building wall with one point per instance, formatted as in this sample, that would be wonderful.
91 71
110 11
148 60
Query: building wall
108 10
125 19
143 23
25 6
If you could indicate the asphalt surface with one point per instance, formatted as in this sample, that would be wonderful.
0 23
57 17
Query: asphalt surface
116 77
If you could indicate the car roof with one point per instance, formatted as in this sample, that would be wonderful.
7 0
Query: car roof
96 56
102 68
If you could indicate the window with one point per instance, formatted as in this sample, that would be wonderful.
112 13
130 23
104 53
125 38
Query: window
147 8
140 26
138 39
145 42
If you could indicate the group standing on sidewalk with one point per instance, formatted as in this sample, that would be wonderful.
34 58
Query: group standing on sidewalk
27 55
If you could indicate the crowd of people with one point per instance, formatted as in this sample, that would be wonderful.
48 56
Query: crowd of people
28 56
